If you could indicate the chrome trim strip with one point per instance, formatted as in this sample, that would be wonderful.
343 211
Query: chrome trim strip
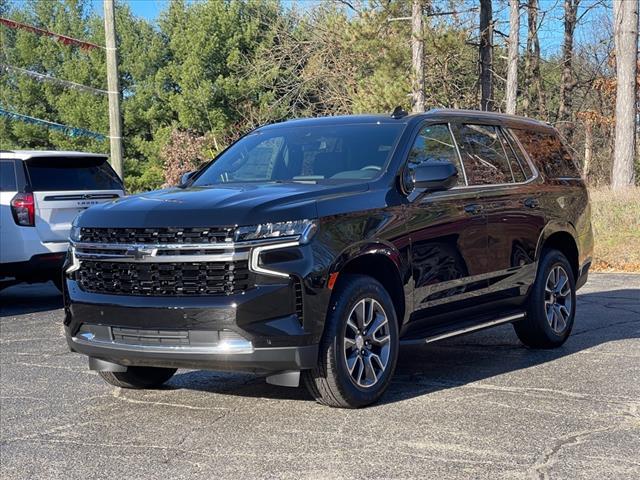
185 246
153 257
228 347
255 257
473 328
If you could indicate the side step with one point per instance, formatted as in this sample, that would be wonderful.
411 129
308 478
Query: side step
441 335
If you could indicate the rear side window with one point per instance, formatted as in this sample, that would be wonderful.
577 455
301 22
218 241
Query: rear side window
8 176
548 153
514 162
483 155
71 173
434 143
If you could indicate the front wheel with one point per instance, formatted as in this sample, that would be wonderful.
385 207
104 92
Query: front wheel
552 304
139 377
359 348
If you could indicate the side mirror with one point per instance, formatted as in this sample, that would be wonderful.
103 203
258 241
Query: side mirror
186 177
435 176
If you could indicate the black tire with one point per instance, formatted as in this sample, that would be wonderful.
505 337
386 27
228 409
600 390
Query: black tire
139 377
536 330
331 383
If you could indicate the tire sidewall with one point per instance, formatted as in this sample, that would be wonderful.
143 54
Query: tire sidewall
551 259
354 289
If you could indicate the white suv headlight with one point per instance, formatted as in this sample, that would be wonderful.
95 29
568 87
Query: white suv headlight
295 228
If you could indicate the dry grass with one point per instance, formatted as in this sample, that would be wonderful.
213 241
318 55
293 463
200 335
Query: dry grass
616 227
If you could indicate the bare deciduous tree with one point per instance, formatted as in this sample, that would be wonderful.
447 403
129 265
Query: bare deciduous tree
568 82
625 17
417 57
512 67
486 55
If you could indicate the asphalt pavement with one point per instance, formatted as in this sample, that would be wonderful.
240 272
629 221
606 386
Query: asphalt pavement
478 406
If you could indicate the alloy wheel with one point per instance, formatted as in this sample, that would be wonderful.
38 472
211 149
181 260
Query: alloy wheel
367 343
558 299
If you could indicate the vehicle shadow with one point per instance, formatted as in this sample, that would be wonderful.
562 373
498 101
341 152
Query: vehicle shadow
22 299
601 318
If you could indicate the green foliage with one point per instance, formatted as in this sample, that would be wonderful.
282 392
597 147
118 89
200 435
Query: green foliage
209 71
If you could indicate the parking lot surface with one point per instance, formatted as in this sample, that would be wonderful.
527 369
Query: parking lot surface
479 406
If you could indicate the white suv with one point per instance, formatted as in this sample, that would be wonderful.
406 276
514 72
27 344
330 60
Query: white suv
41 192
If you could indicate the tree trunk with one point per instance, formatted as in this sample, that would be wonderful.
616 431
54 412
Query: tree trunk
625 17
534 103
417 57
486 55
588 148
567 83
512 69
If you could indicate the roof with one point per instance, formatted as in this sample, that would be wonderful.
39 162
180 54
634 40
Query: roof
336 120
444 114
27 154
492 117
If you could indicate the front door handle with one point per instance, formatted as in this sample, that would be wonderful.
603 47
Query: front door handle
532 203
473 208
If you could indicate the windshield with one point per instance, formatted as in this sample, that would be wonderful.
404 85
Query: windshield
334 153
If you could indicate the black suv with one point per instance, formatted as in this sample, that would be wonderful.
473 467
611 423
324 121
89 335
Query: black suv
317 247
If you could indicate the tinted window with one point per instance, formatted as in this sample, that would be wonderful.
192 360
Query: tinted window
526 166
483 156
8 176
434 143
330 153
514 161
548 153
72 173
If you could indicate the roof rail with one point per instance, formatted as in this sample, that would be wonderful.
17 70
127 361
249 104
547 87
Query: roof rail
399 112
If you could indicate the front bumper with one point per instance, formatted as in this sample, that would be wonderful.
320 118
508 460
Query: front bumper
210 357
268 334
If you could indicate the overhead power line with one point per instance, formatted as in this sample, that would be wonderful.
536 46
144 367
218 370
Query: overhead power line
66 129
55 36
49 78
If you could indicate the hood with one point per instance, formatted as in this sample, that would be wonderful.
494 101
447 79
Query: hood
219 205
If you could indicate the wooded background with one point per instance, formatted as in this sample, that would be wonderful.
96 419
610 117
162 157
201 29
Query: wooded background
206 72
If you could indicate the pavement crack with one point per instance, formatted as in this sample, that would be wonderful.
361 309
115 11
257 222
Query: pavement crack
117 393
539 470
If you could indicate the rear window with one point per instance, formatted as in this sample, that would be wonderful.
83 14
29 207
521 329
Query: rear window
72 173
8 176
548 153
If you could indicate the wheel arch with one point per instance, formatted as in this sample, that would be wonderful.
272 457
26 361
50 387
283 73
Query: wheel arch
379 261
561 237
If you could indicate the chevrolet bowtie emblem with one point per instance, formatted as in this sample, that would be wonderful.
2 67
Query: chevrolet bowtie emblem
140 252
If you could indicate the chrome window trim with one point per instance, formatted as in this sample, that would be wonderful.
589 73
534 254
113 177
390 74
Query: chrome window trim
534 171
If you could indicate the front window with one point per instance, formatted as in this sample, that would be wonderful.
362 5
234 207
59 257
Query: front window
317 154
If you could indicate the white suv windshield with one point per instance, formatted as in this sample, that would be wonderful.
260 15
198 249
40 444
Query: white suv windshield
313 154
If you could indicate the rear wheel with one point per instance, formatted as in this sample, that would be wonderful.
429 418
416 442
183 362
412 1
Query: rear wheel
139 377
359 349
552 304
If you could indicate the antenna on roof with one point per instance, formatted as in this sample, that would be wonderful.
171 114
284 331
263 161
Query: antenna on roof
399 112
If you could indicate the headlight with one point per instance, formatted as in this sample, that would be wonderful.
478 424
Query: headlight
74 234
296 228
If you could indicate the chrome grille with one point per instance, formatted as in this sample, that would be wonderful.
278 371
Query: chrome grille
163 235
157 279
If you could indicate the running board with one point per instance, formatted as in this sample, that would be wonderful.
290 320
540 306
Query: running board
462 331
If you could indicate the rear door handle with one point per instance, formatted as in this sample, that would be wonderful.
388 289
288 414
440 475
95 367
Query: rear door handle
473 208
531 203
